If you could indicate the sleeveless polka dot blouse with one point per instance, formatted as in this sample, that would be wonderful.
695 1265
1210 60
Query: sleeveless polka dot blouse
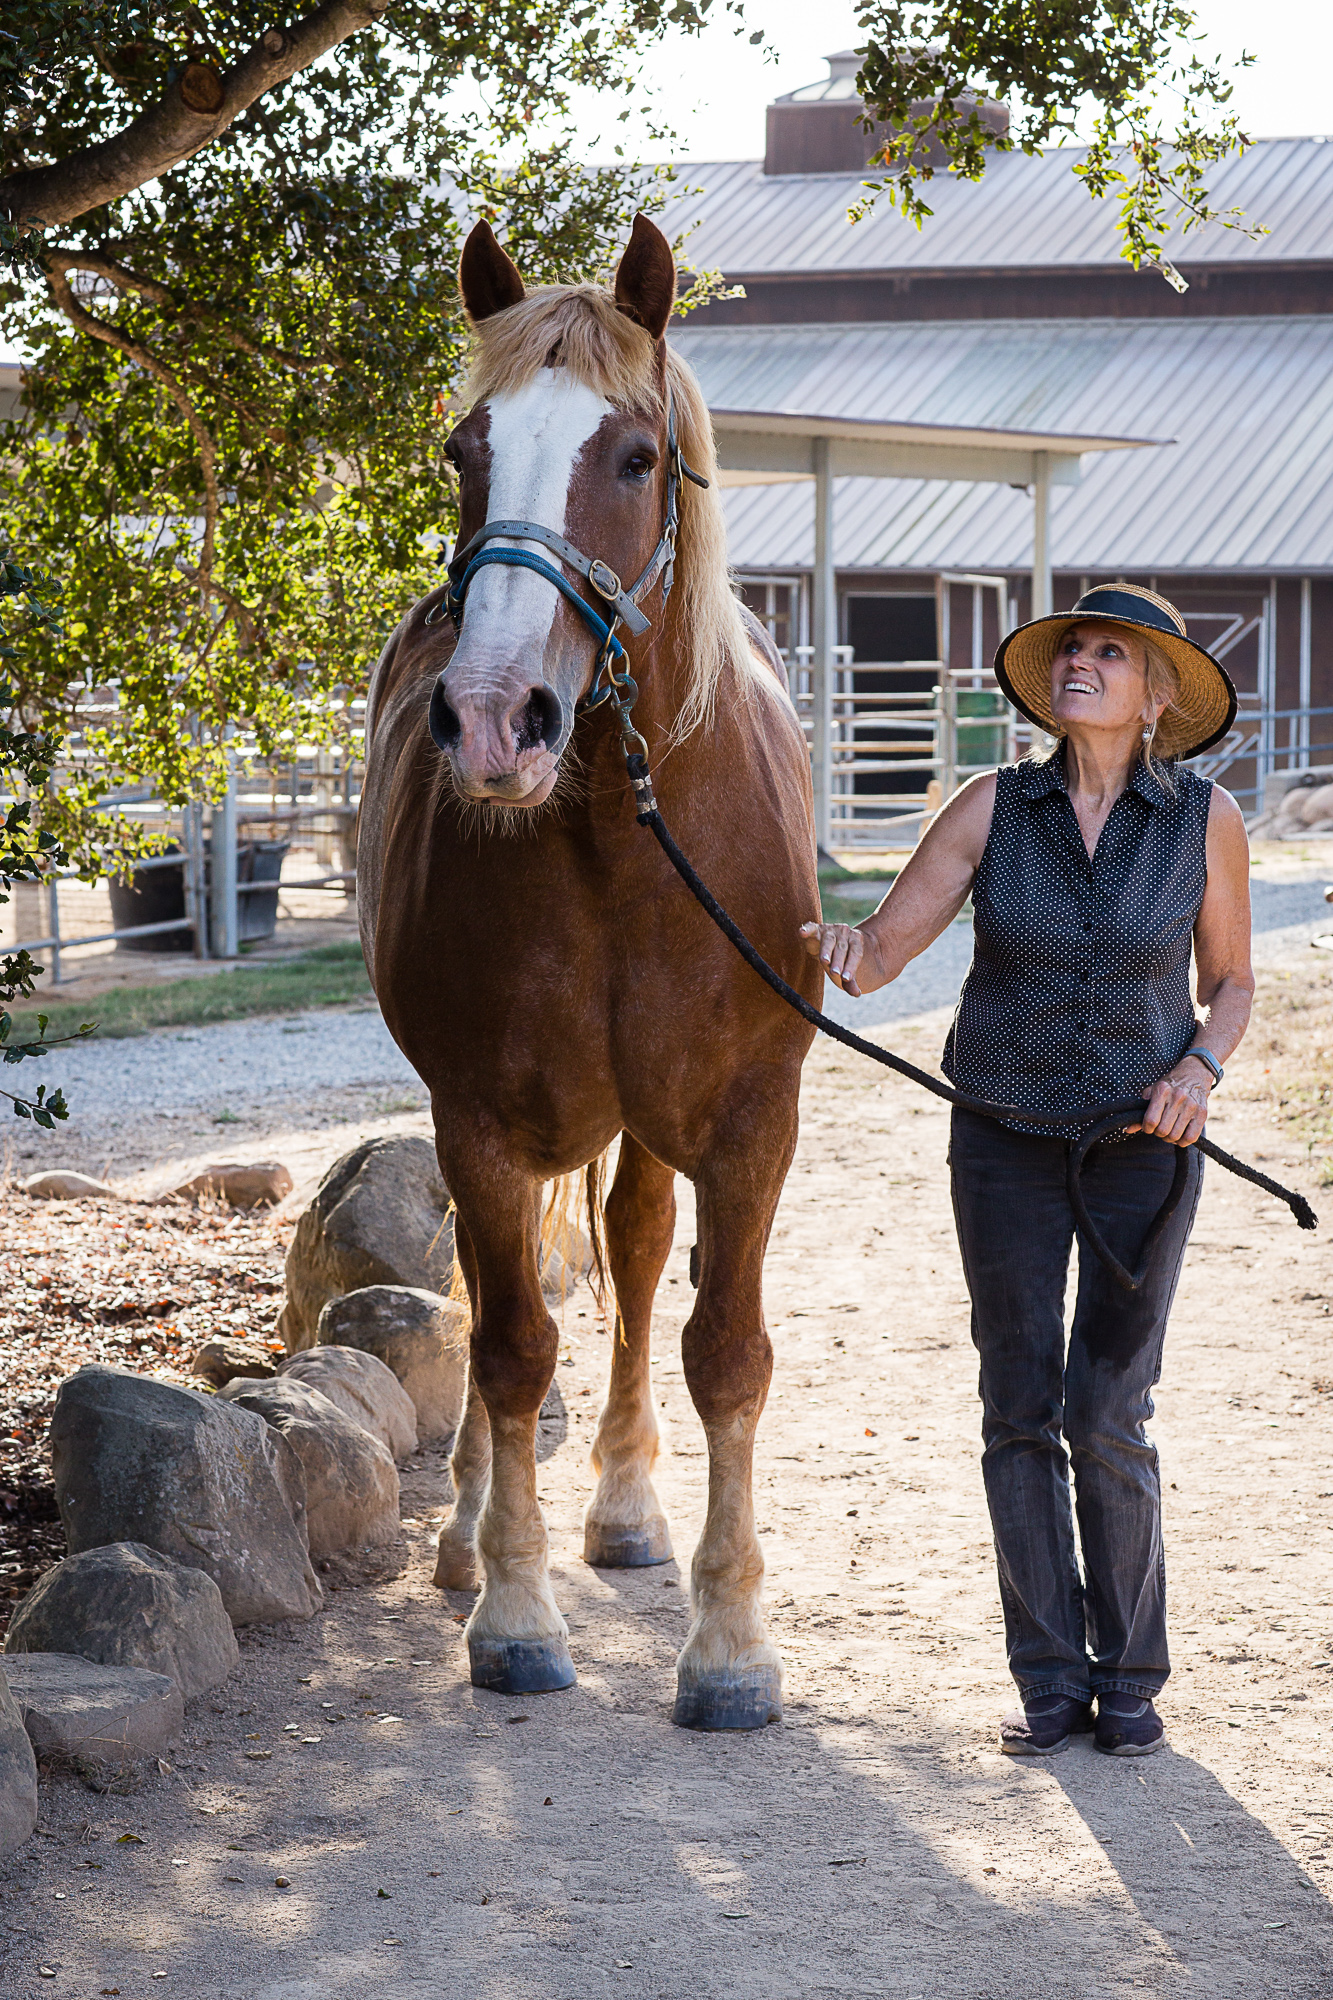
1079 987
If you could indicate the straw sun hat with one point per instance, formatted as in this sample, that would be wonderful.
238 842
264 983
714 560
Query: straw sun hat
1199 715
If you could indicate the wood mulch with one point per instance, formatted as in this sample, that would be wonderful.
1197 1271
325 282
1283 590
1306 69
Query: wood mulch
133 1285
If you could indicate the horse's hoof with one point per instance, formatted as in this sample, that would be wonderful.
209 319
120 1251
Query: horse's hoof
607 1547
456 1565
730 1701
521 1666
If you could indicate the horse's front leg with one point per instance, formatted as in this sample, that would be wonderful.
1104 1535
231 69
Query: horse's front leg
516 1636
729 1675
470 1459
625 1527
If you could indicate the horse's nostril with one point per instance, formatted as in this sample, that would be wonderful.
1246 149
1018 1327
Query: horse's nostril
445 728
539 720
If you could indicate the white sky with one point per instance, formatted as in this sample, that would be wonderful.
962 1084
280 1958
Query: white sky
713 89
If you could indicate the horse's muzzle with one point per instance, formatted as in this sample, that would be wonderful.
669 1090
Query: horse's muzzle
501 744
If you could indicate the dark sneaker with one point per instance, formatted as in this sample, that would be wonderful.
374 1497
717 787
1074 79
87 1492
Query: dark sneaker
1045 1726
1127 1726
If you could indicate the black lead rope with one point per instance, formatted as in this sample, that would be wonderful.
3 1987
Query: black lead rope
1102 1119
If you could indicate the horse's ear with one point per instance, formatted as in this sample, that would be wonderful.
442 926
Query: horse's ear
646 278
487 275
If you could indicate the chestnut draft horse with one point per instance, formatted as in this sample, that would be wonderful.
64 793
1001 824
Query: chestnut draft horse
547 975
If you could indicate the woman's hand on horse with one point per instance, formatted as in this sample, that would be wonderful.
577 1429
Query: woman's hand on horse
1178 1107
847 955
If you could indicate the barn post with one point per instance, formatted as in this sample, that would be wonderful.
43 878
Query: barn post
825 638
1041 535
196 899
225 912
1304 697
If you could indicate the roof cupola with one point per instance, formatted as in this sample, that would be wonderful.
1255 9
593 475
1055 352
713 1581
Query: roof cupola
818 129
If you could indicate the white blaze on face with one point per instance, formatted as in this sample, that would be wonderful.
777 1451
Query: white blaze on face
535 437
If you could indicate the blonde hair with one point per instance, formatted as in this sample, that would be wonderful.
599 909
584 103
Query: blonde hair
1163 691
580 327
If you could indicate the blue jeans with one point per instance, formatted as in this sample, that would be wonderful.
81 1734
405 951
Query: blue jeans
1044 1411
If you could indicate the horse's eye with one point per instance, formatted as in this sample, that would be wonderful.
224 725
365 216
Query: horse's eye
638 466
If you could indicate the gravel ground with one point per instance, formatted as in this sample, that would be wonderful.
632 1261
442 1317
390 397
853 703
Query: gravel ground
334 1048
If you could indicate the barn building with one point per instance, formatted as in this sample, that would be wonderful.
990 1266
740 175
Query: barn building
1002 412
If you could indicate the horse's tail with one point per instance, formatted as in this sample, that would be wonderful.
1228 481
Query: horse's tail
560 1232
458 1291
595 1198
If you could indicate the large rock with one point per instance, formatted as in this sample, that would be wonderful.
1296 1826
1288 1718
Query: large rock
203 1482
61 1186
351 1482
568 1259
238 1183
130 1606
1310 804
222 1358
381 1216
105 1721
362 1388
422 1337
18 1775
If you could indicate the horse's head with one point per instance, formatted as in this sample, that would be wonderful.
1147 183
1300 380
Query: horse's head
555 440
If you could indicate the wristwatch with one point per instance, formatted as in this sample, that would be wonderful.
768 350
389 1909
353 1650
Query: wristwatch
1209 1061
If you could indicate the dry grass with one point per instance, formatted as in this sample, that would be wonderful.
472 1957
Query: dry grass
332 975
1285 1063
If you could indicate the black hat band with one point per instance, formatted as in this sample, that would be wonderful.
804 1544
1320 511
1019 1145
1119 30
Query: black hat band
1128 604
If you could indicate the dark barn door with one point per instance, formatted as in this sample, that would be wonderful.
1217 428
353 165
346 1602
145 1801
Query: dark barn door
882 631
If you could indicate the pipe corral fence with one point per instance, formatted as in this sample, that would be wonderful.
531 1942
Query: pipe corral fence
220 881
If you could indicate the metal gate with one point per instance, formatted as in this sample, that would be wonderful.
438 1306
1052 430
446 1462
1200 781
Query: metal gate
905 735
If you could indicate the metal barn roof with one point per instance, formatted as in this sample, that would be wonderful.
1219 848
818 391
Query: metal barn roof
1248 485
1027 212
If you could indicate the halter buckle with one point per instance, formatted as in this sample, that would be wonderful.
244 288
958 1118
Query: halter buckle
604 579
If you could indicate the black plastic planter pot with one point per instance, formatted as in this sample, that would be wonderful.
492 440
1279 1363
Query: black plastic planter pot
157 896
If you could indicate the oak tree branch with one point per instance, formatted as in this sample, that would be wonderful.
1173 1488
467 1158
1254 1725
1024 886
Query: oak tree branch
172 130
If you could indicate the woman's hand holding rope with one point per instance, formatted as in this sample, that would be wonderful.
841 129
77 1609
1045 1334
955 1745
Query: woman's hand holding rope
1178 1104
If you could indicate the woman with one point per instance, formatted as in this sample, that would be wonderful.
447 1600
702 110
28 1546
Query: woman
1092 871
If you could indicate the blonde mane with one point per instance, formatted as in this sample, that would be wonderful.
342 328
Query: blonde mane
580 327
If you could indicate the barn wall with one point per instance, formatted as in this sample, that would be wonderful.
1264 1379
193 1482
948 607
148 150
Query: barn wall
824 297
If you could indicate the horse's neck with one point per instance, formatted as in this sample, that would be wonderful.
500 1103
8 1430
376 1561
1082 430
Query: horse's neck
663 675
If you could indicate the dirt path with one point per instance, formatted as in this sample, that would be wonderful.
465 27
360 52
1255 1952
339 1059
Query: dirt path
438 1839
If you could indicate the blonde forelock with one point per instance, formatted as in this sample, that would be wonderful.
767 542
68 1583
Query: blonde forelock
580 327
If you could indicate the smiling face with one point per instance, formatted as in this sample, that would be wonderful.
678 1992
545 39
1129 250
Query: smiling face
556 453
1099 680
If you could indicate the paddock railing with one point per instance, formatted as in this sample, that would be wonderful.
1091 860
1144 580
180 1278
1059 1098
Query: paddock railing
223 854
905 735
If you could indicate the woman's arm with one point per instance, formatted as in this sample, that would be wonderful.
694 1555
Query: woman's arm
924 900
1178 1107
